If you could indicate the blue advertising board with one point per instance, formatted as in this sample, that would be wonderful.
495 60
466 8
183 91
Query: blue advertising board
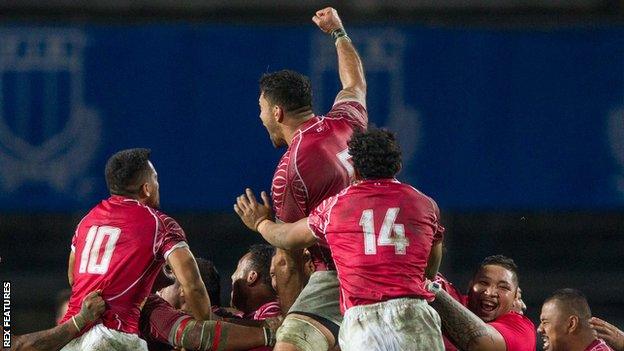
487 118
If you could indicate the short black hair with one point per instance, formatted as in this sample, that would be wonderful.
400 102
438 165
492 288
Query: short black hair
126 170
211 278
573 301
289 89
260 261
375 153
502 261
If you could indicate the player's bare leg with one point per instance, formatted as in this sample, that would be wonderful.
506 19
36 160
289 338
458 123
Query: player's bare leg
310 340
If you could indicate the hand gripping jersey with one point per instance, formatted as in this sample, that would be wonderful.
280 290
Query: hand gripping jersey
380 233
119 247
315 167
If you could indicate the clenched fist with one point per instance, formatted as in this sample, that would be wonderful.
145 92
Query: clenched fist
327 19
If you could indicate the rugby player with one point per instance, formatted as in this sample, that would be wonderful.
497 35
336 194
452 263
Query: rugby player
165 324
381 233
314 167
120 246
489 318
564 323
252 292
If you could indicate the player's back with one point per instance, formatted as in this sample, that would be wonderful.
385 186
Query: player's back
380 233
118 248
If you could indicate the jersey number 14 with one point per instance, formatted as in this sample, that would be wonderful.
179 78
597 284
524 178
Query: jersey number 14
391 234
90 260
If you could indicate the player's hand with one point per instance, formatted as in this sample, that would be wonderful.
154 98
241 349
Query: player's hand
250 211
327 19
518 304
609 333
92 307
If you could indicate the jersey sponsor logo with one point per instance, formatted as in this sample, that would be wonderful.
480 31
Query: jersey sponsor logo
616 141
47 133
383 54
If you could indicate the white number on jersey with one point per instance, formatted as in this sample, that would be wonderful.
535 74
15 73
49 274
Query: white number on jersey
91 251
386 237
344 158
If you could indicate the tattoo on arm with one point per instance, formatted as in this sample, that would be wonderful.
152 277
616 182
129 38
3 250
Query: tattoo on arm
51 339
467 331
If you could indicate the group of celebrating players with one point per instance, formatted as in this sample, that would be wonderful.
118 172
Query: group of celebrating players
355 264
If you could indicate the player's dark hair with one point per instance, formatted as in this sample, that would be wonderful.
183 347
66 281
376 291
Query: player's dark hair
375 153
126 171
573 302
502 261
289 89
211 278
260 261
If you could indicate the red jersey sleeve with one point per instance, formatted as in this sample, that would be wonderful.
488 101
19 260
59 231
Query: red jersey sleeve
517 330
352 111
318 220
160 321
171 236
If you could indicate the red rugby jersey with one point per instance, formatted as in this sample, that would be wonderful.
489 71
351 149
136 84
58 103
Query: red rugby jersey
380 233
119 247
598 345
315 167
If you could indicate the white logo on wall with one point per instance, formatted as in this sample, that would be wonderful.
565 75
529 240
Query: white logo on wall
383 53
47 133
616 140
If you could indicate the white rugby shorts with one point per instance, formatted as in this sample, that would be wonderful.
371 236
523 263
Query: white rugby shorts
100 338
393 325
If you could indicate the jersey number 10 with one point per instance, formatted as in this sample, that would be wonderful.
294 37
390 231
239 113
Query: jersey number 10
90 261
398 240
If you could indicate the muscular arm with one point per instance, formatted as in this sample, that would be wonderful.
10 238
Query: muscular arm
185 269
203 335
350 66
351 73
288 236
433 263
51 339
465 329
57 337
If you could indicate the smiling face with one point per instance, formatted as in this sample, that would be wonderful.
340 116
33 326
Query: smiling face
552 327
492 292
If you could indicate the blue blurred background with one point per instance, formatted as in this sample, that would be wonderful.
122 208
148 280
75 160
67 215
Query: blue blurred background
510 115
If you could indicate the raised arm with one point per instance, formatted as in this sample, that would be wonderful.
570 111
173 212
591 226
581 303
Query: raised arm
350 66
55 338
185 269
466 330
256 216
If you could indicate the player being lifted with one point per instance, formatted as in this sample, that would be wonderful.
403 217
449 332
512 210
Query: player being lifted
314 167
381 233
